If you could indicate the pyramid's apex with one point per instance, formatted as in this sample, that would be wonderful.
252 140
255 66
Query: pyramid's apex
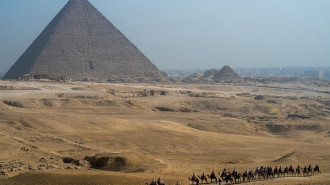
78 0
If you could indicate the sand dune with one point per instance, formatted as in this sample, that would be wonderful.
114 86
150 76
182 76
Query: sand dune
134 134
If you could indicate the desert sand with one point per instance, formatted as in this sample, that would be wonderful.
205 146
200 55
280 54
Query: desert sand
167 130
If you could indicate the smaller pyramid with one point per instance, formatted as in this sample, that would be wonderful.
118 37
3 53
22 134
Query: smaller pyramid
227 74
210 73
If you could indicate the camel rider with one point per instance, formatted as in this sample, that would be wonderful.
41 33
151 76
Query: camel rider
317 168
251 171
234 172
203 176
224 172
212 174
153 182
194 177
160 182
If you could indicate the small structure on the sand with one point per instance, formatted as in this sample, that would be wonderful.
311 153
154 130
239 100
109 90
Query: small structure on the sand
226 74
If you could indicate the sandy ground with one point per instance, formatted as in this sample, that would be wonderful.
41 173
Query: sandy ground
159 130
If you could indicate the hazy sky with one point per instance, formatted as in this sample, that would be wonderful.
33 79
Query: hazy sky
192 34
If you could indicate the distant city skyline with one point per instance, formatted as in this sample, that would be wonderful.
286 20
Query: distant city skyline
192 34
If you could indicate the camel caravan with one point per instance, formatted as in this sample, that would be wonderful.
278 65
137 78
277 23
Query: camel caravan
262 173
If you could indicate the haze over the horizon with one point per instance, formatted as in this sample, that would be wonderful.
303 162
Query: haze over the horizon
192 34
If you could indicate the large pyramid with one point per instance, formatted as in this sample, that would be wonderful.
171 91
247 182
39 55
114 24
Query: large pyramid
79 44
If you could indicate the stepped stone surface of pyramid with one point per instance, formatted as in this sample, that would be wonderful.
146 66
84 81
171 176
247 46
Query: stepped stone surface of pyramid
79 44
226 74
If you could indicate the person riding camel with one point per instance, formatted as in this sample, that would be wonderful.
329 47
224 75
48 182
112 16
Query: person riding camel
257 170
224 173
235 173
203 177
153 182
305 169
194 177
251 172
212 174
317 168
310 168
160 181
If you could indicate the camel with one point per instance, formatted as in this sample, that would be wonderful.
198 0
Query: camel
305 171
213 176
298 169
260 173
223 175
237 177
246 177
194 180
160 182
310 170
251 175
276 172
203 178
270 173
280 171
229 178
286 171
291 170
317 169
